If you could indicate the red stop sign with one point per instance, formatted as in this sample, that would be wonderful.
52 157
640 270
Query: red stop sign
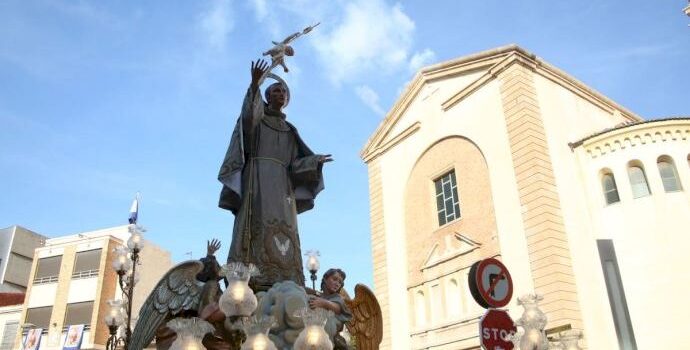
494 329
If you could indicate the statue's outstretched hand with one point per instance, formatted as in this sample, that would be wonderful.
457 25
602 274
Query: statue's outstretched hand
212 246
259 68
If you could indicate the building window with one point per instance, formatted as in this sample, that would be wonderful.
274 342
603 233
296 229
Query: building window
614 287
638 181
79 313
669 175
608 182
87 264
420 308
447 202
48 270
39 316
8 334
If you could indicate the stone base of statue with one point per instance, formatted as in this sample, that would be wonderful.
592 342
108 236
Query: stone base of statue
282 302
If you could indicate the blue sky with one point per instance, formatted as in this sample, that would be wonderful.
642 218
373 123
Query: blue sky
99 100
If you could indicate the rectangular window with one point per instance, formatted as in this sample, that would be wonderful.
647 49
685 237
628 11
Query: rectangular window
79 313
48 269
614 287
8 335
447 202
87 263
39 316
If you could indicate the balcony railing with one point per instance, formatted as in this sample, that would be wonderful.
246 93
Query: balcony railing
46 279
85 274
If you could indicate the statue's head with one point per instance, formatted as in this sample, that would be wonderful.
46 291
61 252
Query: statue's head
289 51
333 281
276 96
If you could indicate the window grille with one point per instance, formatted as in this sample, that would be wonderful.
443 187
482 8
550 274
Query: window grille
447 203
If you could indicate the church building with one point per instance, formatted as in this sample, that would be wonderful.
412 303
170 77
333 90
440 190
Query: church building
500 154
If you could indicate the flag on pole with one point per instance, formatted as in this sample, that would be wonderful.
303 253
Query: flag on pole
134 210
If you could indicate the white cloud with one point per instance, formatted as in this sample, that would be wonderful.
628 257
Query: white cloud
370 98
421 59
217 23
355 37
372 36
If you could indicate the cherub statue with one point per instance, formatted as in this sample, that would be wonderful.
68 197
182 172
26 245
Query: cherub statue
282 49
330 299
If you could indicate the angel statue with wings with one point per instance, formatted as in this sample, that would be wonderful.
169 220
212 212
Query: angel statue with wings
282 49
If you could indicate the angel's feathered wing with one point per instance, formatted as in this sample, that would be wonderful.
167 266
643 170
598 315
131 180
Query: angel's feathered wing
176 291
367 322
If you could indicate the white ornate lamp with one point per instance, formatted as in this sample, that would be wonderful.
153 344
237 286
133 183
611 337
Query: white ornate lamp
238 299
121 263
135 241
312 265
114 320
190 333
313 336
257 334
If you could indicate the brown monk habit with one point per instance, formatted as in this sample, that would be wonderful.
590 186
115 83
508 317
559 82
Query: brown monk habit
269 176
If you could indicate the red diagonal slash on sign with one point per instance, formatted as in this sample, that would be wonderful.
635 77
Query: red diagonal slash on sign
501 276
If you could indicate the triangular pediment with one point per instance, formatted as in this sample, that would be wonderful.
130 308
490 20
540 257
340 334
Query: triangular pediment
453 246
490 63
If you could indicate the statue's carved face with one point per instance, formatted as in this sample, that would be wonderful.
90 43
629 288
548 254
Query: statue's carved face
276 96
333 283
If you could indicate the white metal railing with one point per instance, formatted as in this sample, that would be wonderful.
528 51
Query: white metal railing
85 274
45 279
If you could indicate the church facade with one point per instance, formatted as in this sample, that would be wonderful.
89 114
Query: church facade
500 154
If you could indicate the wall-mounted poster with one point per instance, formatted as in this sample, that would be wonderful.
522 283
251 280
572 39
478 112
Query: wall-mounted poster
33 339
73 339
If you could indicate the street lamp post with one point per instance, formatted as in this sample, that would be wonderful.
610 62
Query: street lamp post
125 265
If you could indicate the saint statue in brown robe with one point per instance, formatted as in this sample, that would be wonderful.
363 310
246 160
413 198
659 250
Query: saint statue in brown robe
269 176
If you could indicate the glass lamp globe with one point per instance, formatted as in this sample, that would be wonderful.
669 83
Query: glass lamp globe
257 334
121 262
313 336
114 316
238 299
190 333
135 241
312 263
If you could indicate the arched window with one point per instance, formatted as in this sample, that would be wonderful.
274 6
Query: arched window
638 180
420 308
453 299
669 175
608 183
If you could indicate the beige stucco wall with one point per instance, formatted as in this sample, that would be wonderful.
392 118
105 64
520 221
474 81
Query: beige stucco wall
478 118
650 234
521 115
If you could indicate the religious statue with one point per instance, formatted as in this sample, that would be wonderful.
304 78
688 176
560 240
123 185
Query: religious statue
269 175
